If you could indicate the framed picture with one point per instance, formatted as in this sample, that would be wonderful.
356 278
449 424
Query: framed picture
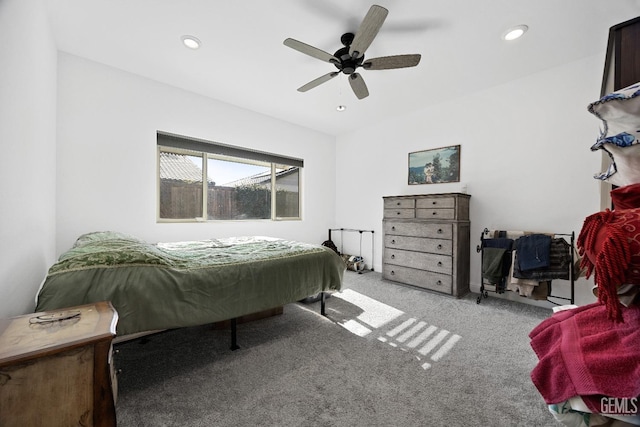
435 166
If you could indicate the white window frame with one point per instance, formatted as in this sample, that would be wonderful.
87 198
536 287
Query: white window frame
177 144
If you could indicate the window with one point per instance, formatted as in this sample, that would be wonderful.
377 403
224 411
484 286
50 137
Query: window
223 182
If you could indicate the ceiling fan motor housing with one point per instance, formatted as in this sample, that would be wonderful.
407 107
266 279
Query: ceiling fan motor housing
347 64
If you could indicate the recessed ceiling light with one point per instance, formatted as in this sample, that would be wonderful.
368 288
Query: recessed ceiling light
341 107
515 32
191 42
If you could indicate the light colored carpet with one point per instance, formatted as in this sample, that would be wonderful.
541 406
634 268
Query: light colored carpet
386 355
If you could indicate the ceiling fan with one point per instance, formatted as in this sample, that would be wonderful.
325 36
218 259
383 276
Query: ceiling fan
351 57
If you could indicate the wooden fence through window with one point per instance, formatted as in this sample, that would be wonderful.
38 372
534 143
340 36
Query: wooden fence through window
182 200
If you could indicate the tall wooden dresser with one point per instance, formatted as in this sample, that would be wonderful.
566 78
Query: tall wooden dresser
427 241
56 368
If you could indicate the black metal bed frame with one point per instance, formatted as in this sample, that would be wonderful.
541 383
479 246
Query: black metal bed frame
234 323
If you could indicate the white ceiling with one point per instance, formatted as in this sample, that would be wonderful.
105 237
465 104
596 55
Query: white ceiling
243 61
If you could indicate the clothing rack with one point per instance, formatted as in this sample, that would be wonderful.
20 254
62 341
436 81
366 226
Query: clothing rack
342 230
502 287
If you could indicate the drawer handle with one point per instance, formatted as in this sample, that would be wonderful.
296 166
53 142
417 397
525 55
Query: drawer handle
439 246
398 204
435 203
439 283
393 257
434 213
393 241
439 263
393 272
393 228
439 230
398 213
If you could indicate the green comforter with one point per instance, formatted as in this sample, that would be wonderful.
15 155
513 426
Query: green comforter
169 285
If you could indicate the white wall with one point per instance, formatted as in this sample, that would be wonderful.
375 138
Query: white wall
27 157
106 157
525 155
525 158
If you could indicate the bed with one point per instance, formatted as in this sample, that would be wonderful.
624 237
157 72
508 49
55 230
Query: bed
171 285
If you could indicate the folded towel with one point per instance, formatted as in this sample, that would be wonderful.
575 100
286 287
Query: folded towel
582 352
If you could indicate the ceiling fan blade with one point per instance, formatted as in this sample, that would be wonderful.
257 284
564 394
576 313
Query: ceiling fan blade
390 62
367 31
310 50
358 86
318 81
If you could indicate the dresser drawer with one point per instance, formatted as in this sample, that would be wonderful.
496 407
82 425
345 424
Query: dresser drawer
435 213
399 213
434 246
419 260
436 203
399 203
421 278
418 229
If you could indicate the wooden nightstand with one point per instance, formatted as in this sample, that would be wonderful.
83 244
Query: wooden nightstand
56 368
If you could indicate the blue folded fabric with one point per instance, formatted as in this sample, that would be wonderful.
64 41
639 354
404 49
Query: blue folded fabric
533 251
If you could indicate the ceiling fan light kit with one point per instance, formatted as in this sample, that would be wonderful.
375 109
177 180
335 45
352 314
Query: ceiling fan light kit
351 56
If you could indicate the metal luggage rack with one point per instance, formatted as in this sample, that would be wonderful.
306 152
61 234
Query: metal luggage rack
501 288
